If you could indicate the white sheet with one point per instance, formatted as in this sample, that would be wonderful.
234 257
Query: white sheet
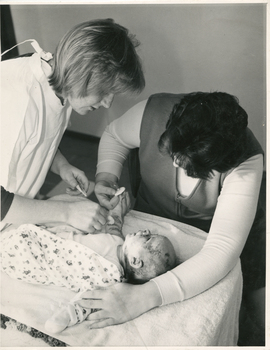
209 319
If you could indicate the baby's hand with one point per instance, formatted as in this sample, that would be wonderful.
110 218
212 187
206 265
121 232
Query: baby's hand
116 216
123 206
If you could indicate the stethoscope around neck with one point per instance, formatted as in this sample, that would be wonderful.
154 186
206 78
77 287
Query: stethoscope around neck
46 56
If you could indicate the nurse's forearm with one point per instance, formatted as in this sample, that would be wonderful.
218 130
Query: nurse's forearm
106 177
32 211
58 161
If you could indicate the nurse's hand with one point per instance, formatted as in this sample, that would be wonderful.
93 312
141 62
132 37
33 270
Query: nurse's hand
86 215
78 212
105 189
73 177
119 303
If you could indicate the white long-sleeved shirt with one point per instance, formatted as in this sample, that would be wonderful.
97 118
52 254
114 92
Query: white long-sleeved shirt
33 121
230 225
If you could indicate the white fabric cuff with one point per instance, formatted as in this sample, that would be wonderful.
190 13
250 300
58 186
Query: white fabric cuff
169 288
110 166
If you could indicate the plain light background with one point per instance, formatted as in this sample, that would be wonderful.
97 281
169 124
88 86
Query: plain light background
184 48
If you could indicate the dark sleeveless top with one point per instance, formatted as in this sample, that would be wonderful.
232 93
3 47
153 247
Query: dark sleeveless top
157 193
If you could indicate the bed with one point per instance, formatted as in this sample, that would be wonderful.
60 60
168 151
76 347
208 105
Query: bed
209 319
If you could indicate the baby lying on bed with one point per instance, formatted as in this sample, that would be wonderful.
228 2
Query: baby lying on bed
82 262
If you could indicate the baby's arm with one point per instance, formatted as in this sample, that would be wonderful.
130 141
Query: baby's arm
114 225
116 216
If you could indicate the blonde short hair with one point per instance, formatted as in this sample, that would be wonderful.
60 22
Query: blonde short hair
97 56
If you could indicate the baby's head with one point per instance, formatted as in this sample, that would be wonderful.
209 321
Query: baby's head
147 256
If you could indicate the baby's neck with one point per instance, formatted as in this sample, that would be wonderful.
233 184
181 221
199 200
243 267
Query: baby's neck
121 256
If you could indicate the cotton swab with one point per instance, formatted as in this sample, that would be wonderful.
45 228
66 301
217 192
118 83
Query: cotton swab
119 191
82 191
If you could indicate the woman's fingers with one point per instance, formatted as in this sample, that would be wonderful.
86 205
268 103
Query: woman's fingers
110 191
91 304
83 182
107 202
103 214
102 323
72 192
98 315
86 215
95 294
105 192
114 201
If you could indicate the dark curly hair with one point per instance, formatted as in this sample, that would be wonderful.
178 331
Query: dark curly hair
206 132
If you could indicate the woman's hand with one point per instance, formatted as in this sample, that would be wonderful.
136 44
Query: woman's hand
120 303
70 174
74 176
105 189
78 212
86 215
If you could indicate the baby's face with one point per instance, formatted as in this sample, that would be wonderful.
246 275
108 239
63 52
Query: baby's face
143 244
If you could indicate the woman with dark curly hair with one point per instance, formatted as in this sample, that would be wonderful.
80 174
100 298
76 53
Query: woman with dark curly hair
201 165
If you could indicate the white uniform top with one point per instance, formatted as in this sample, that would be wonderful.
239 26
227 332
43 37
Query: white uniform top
33 121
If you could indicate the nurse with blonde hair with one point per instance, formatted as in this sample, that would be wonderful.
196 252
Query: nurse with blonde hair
94 61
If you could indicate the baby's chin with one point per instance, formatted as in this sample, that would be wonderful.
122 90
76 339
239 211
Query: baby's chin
128 236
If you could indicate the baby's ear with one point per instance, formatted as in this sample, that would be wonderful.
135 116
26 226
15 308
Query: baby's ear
136 263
